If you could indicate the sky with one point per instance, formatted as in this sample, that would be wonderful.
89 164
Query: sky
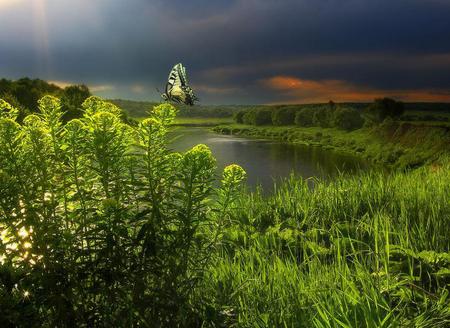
235 51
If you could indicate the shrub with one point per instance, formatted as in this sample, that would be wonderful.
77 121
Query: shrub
304 117
348 119
72 99
249 117
239 116
100 223
263 117
283 116
257 117
383 108
323 117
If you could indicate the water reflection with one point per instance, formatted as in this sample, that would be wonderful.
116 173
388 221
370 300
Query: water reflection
267 161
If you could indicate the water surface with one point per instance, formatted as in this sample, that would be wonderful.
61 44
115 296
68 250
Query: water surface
266 161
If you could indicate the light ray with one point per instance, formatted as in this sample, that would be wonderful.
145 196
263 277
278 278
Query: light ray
9 3
41 37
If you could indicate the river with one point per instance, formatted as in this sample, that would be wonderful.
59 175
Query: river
266 161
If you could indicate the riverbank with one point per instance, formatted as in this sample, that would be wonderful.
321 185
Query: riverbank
393 144
201 121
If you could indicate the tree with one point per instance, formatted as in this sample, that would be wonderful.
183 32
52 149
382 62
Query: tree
27 92
283 116
304 117
263 117
239 116
323 117
258 117
385 107
347 119
72 99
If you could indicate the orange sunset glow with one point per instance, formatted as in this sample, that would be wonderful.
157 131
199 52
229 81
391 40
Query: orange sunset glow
310 91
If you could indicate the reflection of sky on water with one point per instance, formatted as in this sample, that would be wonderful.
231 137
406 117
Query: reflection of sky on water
267 161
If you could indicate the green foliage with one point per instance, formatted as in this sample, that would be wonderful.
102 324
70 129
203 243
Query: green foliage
239 116
304 117
364 251
258 117
323 116
383 108
283 116
72 98
24 94
27 91
8 111
101 225
138 109
347 119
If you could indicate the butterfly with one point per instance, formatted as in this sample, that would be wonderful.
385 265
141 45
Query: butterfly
177 87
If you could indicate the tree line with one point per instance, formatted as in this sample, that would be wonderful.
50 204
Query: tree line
344 117
24 94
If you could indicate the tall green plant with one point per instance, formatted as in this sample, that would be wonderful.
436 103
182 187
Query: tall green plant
102 225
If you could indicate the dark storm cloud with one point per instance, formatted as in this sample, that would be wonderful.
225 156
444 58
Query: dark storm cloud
231 48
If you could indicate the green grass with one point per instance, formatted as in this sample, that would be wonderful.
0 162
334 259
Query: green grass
366 251
197 121
202 121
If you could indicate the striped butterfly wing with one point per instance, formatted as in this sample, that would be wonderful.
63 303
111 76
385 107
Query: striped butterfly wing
190 97
174 89
177 87
183 75
174 79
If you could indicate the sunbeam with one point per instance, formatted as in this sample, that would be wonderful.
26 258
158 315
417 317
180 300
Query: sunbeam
8 3
41 37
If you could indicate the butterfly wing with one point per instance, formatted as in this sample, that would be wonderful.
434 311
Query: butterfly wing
174 79
177 87
189 97
182 75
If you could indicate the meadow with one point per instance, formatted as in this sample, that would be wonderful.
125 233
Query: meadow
102 225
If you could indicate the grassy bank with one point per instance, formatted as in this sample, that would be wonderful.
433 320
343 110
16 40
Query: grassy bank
367 251
202 121
397 144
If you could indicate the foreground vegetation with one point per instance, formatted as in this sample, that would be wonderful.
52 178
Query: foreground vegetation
366 251
102 226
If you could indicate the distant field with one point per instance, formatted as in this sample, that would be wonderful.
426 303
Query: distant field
210 121
198 121
139 109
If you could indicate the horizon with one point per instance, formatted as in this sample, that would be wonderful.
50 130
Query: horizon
235 52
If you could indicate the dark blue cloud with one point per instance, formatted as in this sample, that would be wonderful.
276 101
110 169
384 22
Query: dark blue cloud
379 44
